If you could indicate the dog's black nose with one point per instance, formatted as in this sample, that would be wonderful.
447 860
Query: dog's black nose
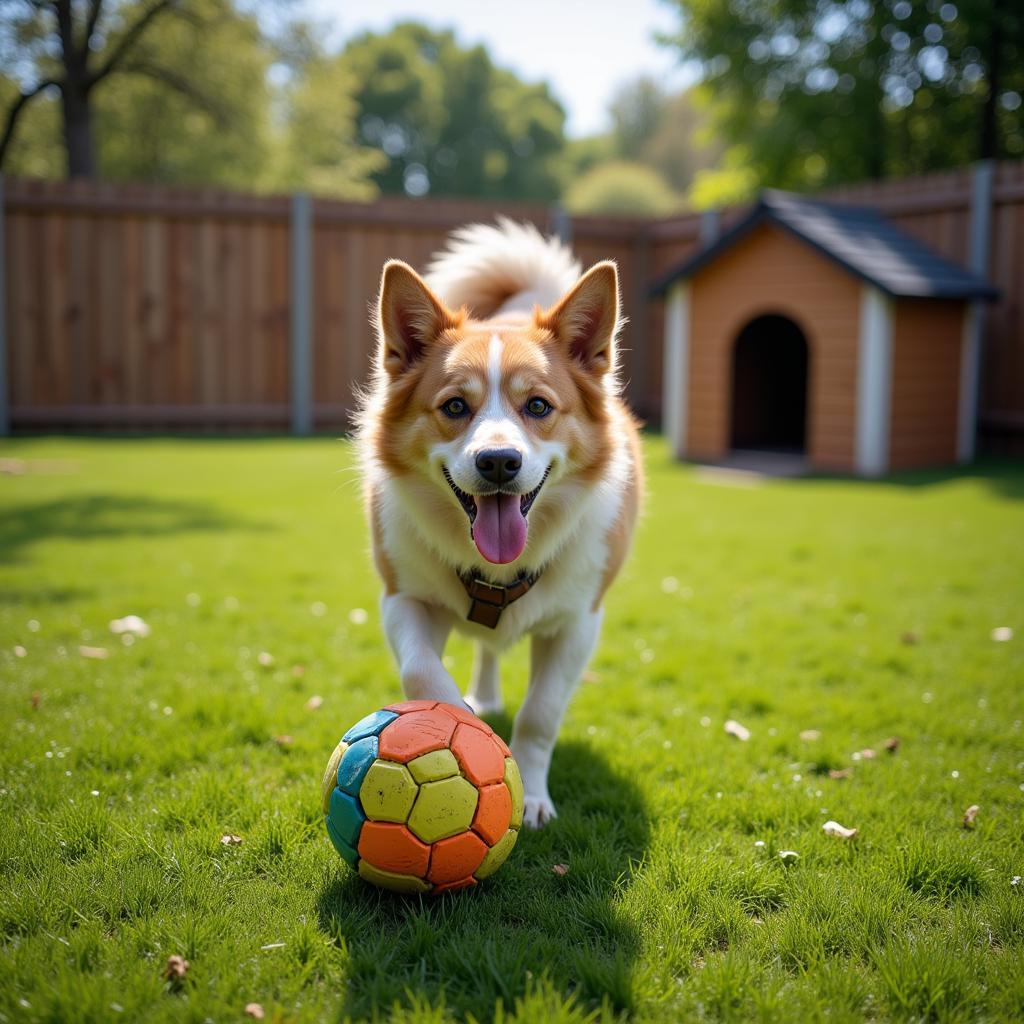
498 465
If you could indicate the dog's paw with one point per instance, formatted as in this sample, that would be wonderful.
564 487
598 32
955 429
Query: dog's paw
538 811
484 707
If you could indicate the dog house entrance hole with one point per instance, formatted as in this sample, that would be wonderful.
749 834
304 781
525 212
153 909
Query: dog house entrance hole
769 386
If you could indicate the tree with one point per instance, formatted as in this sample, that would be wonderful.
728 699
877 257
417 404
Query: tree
449 121
638 111
659 144
215 131
811 92
583 154
318 149
245 109
669 133
74 48
36 148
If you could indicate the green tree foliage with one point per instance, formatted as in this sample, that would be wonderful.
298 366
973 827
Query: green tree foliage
36 148
203 118
173 91
812 92
317 149
638 113
727 185
76 50
658 145
621 187
449 121
669 133
585 153
205 96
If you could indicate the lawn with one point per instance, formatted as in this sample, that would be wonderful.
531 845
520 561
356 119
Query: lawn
826 616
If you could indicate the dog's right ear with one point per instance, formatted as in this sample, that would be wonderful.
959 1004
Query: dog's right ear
410 317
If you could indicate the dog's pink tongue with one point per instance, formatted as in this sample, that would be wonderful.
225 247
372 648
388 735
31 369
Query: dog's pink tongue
499 529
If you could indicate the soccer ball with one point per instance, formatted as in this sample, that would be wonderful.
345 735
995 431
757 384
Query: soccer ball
423 797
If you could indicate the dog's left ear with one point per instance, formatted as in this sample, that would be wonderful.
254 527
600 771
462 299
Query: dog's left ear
410 317
586 318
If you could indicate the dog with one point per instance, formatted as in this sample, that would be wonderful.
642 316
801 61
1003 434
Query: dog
502 471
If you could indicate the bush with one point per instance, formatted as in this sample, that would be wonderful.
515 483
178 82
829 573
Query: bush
621 187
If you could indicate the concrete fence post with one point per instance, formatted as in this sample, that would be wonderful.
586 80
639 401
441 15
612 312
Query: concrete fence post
710 226
971 353
982 175
561 224
301 341
644 396
5 409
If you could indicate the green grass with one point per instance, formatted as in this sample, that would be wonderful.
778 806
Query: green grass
783 606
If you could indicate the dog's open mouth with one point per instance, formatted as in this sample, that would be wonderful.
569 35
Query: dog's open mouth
465 500
497 521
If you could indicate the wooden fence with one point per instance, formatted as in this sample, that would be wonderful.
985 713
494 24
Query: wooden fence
131 307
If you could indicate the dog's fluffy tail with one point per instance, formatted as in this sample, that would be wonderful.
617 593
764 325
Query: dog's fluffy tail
500 268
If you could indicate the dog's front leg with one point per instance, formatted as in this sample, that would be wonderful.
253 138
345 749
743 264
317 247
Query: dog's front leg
556 664
417 634
484 695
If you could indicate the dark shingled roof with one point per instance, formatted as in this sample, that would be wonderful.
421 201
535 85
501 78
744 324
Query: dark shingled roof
858 239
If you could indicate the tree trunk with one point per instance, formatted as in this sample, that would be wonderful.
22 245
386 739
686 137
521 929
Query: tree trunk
989 145
78 132
878 143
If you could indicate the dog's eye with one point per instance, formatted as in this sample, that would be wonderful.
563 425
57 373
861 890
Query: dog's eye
455 408
538 408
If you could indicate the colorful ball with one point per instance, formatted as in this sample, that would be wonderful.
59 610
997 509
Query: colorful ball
423 797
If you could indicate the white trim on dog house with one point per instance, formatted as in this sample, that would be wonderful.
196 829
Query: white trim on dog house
675 375
874 381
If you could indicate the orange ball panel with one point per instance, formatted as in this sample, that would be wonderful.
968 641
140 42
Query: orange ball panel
415 733
493 813
455 858
467 717
502 745
462 883
404 707
393 848
481 759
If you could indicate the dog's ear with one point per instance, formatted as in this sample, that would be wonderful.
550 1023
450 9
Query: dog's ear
586 318
410 317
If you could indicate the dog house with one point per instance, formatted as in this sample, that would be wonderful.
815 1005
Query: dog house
821 329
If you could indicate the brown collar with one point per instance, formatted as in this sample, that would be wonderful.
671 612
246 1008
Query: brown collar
489 600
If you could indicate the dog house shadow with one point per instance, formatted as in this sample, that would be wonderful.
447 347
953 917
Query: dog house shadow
526 926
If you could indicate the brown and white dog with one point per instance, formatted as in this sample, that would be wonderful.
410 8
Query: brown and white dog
502 471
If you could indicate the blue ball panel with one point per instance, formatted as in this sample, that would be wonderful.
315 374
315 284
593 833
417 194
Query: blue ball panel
355 763
346 817
371 725
340 845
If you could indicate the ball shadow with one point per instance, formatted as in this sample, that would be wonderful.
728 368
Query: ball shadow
471 950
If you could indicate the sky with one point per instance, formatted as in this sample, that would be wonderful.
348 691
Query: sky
584 49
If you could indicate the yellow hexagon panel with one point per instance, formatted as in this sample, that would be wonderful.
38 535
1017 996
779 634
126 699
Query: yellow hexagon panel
387 792
497 854
443 809
331 776
391 880
514 782
438 764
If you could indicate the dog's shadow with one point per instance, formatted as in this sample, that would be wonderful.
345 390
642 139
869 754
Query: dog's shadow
527 925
